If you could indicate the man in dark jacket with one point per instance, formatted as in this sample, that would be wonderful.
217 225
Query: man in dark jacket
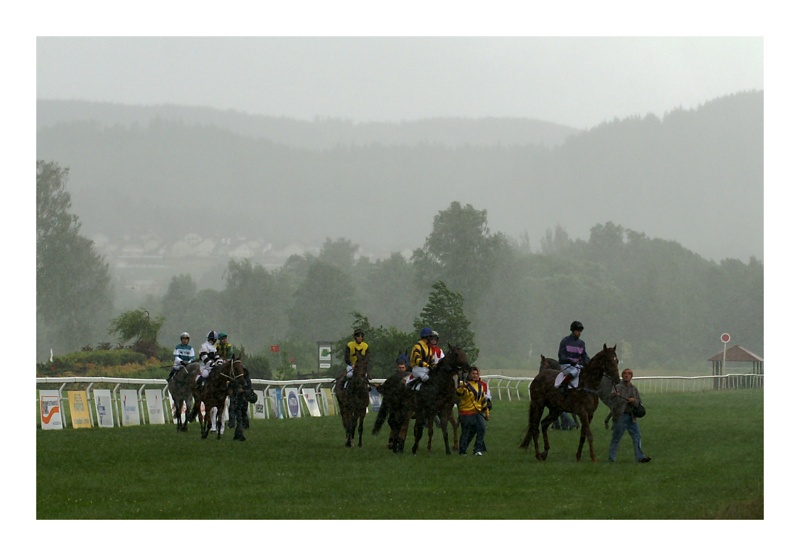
627 396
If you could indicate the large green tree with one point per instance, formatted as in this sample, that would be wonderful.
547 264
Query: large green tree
462 252
74 297
444 312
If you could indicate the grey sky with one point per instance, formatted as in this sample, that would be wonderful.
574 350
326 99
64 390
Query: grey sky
579 81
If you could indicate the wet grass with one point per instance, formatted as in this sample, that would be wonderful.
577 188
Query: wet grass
707 450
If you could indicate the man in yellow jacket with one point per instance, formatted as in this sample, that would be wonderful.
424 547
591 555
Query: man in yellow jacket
474 404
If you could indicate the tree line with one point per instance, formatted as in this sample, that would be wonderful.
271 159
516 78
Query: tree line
663 305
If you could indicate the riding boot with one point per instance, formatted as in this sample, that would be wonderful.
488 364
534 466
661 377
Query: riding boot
565 384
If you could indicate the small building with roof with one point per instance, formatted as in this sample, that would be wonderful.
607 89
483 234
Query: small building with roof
740 357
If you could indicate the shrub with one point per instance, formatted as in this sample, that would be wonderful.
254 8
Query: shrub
83 363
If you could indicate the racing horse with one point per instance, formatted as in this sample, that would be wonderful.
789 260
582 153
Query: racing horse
221 378
581 400
353 397
395 404
180 388
436 395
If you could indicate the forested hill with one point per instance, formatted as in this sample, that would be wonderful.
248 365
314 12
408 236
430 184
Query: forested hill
694 176
324 133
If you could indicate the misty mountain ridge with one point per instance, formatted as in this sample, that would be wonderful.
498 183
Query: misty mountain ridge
322 133
693 176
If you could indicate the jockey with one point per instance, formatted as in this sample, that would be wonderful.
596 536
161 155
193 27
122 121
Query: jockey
184 353
572 355
421 359
436 352
403 364
354 346
224 349
208 357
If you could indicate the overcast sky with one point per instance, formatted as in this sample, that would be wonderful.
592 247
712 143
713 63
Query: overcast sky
579 81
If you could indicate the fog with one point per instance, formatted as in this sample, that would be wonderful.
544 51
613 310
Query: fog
578 82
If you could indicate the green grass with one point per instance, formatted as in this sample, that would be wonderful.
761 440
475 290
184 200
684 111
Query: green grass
707 450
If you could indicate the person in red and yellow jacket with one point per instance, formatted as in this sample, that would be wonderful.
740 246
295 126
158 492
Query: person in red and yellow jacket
474 404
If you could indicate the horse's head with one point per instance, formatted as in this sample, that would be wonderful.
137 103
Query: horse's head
548 363
608 362
455 360
361 366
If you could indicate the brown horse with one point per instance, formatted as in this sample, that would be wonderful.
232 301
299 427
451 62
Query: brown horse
180 387
353 400
213 395
435 396
581 401
395 405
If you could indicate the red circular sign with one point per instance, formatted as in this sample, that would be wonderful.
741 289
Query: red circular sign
725 338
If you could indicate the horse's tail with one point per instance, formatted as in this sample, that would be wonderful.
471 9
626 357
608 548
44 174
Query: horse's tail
383 412
531 428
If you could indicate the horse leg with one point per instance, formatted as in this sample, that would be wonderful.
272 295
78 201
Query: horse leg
586 434
552 416
541 456
205 425
443 418
418 426
545 438
360 427
400 437
454 423
430 436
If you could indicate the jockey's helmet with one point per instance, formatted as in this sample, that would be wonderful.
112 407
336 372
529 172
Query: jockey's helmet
425 332
185 335
212 336
358 332
434 334
222 335
576 325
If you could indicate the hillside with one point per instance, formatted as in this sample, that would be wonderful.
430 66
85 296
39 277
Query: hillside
693 176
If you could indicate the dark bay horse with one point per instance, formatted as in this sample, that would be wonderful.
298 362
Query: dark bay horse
180 387
436 396
581 401
213 395
395 406
353 400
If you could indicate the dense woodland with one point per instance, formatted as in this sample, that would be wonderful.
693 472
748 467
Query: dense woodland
661 302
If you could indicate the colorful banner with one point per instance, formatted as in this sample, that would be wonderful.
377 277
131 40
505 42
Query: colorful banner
155 406
260 407
105 411
375 399
328 403
50 409
79 409
310 396
293 402
129 401
277 402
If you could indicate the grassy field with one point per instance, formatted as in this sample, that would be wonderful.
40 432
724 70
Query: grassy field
707 450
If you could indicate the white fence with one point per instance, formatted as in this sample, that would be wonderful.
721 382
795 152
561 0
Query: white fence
317 398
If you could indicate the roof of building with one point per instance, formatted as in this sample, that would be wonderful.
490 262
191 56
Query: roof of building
737 353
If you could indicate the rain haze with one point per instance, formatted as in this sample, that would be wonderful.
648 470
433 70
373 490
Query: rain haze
578 82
